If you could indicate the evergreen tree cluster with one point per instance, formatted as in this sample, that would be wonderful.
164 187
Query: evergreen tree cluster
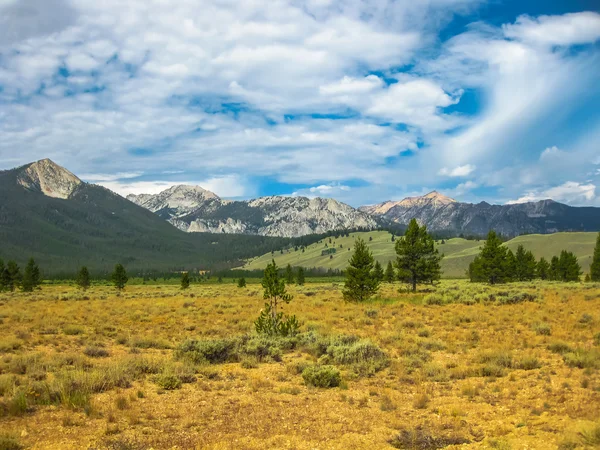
11 277
498 264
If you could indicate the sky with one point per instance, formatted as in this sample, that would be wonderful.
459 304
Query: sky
360 100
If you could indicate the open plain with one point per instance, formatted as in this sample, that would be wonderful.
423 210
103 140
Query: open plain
466 366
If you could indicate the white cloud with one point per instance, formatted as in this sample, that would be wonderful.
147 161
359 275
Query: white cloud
568 29
247 88
569 192
350 85
552 153
460 171
414 101
229 186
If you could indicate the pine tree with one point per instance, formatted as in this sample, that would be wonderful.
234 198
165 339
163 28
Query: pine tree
543 269
595 267
569 268
510 266
300 277
492 265
2 282
524 265
119 277
271 321
31 276
378 272
185 280
360 284
12 276
389 273
418 260
83 278
241 283
289 275
554 269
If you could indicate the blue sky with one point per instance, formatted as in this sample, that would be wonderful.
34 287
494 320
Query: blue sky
360 100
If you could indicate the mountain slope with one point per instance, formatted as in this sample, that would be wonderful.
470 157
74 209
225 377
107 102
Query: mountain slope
458 253
193 209
442 214
48 213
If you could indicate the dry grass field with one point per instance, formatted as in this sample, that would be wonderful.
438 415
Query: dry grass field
468 366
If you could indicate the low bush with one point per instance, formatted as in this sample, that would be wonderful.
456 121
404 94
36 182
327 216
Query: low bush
543 329
95 352
9 442
424 439
583 359
322 376
560 347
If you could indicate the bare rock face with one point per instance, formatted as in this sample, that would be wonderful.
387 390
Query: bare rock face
179 200
195 210
48 178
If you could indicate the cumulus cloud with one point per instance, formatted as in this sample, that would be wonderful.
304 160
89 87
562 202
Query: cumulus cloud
460 171
314 93
568 29
229 186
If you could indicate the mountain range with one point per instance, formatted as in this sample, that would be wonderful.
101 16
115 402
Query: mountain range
446 215
193 209
49 213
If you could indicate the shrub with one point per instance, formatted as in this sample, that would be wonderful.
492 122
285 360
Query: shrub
528 363
212 351
167 381
421 401
73 330
95 352
560 347
434 299
421 438
543 329
148 342
9 442
583 359
322 376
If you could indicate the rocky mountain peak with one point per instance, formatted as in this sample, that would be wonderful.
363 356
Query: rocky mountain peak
49 178
434 198
182 198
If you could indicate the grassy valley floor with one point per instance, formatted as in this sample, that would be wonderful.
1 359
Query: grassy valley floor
514 366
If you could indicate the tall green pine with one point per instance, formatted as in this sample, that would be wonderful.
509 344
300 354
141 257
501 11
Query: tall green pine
119 277
378 272
543 269
31 277
185 280
360 284
83 278
524 265
595 267
300 277
289 275
418 261
11 276
389 273
491 265
2 281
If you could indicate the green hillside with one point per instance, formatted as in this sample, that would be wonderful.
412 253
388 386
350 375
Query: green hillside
458 252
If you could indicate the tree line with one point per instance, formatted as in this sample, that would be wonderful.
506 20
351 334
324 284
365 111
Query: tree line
498 264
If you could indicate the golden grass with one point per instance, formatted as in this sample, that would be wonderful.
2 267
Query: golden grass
99 371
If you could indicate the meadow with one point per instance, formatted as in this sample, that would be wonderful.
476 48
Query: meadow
456 366
458 252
